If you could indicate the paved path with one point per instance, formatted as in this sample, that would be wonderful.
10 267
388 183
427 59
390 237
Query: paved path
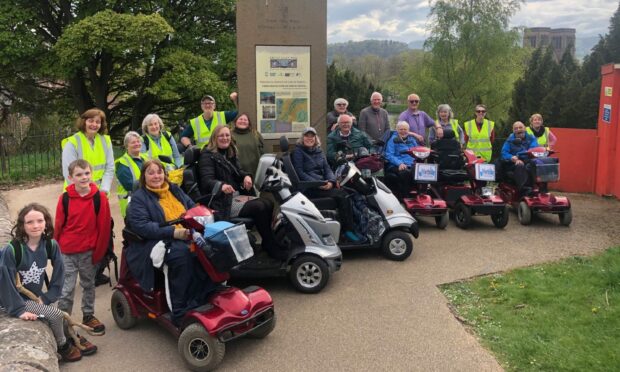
374 314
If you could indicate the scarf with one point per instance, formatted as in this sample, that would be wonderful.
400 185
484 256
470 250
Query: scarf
171 206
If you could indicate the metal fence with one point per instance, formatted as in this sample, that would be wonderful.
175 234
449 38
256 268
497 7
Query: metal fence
31 157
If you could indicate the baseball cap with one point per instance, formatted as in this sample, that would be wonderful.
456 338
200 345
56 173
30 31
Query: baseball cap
207 98
308 130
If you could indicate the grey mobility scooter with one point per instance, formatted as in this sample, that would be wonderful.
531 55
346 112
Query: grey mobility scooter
312 254
393 230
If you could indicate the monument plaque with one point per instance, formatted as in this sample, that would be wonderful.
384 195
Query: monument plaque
281 65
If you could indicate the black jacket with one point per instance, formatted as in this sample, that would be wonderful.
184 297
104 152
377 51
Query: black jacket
213 167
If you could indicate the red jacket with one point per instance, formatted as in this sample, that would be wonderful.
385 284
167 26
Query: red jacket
83 232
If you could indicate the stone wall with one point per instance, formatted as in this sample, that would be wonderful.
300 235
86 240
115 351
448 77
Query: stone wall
24 346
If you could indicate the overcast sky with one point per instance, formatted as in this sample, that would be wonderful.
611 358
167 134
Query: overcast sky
406 20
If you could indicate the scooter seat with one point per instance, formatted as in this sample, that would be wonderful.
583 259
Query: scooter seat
248 222
453 175
325 203
328 213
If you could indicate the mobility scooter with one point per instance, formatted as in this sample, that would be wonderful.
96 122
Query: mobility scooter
462 177
395 229
229 313
313 255
544 169
421 202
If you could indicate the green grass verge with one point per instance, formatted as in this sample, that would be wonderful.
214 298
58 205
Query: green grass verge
562 316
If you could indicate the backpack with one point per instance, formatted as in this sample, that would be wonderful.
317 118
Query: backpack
146 141
109 255
17 253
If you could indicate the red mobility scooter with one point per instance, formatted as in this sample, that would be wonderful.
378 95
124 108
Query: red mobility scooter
544 169
461 184
421 202
203 332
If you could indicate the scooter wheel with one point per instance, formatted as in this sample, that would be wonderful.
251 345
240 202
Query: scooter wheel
309 274
566 217
524 213
500 220
442 221
200 350
462 215
397 245
121 311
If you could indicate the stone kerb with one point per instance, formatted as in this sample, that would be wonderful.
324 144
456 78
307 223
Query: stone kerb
24 346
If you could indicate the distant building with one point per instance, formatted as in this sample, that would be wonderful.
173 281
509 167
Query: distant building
558 38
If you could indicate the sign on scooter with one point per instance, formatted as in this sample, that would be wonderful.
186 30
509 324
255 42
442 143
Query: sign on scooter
426 172
485 172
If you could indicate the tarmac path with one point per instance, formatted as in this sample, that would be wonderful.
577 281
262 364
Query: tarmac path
374 314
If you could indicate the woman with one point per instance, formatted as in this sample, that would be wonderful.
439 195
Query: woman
398 162
218 162
157 141
543 134
93 145
249 143
341 106
128 168
311 165
153 203
446 122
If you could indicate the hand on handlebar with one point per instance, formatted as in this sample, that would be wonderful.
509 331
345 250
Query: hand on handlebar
247 183
328 185
227 189
181 234
401 167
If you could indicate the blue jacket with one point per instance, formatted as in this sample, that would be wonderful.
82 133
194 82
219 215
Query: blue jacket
311 164
393 150
144 214
510 149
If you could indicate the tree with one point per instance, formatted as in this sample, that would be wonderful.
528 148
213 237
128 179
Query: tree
123 57
346 84
474 57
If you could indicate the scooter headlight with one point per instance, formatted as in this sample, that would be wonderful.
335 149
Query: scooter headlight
328 240
421 154
540 154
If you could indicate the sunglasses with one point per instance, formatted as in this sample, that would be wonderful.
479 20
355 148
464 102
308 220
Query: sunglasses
481 111
414 101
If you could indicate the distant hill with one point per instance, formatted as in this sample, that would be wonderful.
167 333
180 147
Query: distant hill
353 49
417 44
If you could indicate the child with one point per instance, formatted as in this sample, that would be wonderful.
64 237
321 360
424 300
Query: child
83 232
32 247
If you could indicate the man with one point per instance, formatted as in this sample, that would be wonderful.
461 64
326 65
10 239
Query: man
418 120
200 127
345 133
480 134
519 141
374 119
340 107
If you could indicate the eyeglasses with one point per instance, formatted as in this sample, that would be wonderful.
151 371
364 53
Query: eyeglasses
414 101
341 104
481 111
208 103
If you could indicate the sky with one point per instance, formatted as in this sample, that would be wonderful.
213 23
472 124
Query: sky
406 20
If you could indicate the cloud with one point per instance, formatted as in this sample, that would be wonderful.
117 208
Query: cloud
407 21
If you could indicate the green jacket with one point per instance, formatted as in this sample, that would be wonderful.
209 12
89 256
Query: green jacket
356 139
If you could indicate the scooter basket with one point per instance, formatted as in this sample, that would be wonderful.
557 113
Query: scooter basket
227 245
547 170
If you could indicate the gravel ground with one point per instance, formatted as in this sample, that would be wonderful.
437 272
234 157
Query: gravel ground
374 314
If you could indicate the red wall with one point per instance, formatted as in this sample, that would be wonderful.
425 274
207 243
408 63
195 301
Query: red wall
577 151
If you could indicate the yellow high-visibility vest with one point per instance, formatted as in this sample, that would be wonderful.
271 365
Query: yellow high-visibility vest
542 140
202 133
95 154
480 140
165 149
123 194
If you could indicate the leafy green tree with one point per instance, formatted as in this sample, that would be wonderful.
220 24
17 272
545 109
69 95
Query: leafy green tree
473 57
123 57
346 84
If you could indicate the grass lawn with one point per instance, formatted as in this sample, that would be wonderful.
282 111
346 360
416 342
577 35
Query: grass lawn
562 316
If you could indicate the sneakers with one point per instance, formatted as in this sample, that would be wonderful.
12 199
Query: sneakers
69 352
95 324
88 348
352 236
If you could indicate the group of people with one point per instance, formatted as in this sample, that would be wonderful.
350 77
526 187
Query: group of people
477 135
77 239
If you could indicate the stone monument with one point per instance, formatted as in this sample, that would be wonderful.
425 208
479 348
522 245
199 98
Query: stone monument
281 66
